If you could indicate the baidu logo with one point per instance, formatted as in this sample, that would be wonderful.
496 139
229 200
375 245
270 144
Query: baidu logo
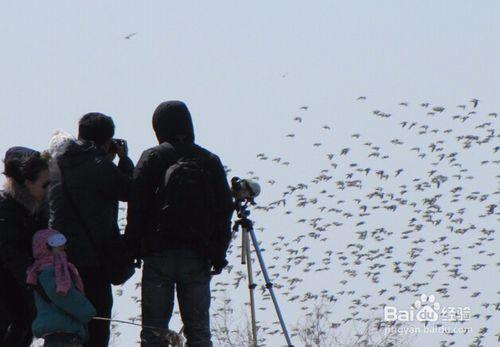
427 309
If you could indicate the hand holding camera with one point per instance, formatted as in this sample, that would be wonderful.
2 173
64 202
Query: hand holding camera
119 147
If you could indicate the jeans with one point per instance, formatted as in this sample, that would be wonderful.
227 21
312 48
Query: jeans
62 340
98 291
189 274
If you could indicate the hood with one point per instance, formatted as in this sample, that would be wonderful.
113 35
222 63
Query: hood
39 243
76 152
44 258
58 141
172 122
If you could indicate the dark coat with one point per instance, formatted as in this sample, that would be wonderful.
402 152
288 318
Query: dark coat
17 226
143 208
173 125
96 185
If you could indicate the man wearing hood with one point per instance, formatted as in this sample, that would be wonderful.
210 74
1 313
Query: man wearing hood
95 185
172 263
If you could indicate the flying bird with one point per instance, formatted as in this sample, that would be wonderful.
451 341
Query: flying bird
344 151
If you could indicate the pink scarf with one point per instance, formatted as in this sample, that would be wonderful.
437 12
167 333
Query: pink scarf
44 258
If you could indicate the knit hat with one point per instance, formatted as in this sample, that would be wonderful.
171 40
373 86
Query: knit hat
44 258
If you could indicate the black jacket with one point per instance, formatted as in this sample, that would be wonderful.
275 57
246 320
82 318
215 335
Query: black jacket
17 227
173 125
96 185
143 208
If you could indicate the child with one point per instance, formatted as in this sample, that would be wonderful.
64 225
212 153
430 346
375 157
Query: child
63 311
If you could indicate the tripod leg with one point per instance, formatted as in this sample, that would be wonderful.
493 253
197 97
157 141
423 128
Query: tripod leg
251 286
269 285
244 242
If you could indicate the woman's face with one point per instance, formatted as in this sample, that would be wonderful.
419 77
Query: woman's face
38 187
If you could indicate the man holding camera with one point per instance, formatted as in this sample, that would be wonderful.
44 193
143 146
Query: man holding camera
86 187
179 223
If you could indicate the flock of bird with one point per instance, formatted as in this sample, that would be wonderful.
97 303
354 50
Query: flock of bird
379 223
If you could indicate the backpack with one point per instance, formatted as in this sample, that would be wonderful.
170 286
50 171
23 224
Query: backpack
186 201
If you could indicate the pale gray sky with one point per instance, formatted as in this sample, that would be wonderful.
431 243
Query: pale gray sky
244 69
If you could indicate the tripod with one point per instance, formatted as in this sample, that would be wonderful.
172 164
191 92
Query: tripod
248 236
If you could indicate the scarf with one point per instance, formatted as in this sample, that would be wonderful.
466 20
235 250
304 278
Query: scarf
65 271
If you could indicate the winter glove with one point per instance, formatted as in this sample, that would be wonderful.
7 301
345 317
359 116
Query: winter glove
218 267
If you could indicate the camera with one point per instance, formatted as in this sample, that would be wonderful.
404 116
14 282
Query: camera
244 189
115 144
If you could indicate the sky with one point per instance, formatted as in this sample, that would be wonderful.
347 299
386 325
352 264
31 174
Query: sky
245 69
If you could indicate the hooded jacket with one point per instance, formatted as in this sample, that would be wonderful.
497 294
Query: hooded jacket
173 125
96 185
68 313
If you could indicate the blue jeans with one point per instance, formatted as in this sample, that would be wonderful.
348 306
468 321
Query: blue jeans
62 340
189 274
